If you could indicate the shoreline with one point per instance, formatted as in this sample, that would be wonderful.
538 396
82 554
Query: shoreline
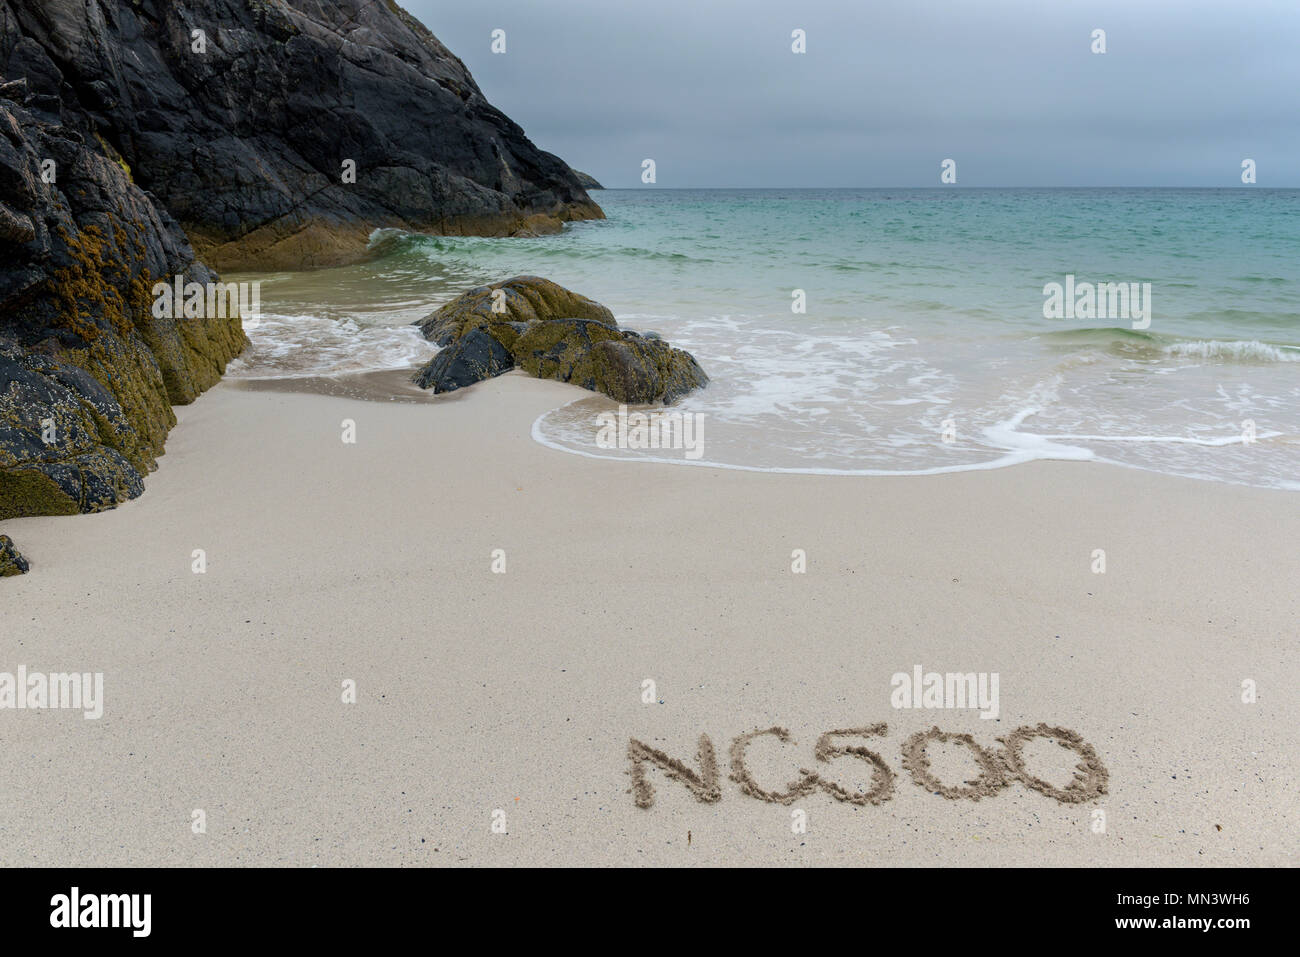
520 691
395 386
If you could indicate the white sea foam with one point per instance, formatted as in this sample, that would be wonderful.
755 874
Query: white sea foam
1239 350
298 346
815 401
837 400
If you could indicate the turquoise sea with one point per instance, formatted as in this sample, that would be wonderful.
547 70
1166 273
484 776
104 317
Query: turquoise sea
924 346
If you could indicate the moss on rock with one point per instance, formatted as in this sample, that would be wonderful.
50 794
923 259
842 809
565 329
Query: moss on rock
551 333
562 349
28 491
11 561
88 374
521 299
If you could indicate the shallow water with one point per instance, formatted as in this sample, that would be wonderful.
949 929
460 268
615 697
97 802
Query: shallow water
924 345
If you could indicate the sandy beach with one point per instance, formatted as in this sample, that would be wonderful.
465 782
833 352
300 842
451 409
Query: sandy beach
511 697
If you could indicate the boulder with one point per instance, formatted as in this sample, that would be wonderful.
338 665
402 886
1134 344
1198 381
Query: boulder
474 357
523 299
551 333
640 370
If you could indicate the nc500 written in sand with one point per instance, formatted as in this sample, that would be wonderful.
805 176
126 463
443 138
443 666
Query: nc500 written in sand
999 767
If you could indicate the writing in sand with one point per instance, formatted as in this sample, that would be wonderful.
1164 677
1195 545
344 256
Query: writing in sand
999 767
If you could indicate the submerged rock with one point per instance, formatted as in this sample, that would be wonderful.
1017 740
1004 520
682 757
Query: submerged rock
11 562
552 333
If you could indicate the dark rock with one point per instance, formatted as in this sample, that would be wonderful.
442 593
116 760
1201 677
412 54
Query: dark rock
11 562
641 371
15 90
586 180
88 373
15 228
245 143
117 137
552 333
561 349
472 358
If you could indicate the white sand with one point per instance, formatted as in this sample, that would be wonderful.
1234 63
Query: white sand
480 691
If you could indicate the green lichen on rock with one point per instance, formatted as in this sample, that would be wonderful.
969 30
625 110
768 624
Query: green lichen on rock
84 289
88 373
551 333
562 349
66 443
129 371
114 155
11 561
636 366
521 299
27 492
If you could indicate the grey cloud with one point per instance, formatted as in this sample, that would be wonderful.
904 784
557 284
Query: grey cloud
710 89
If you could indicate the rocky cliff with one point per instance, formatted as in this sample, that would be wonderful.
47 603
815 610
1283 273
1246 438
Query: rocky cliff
88 371
280 132
143 142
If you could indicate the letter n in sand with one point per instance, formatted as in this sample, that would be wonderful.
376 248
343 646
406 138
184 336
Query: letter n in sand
703 785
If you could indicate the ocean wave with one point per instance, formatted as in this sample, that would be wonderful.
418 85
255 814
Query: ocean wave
307 345
1097 335
398 243
1251 350
1127 340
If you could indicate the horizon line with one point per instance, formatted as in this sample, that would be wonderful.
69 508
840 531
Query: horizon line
648 188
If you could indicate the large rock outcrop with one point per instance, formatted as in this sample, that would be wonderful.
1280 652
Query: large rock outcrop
279 133
135 132
88 372
548 331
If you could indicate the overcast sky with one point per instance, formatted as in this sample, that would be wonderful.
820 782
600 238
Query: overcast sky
888 89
